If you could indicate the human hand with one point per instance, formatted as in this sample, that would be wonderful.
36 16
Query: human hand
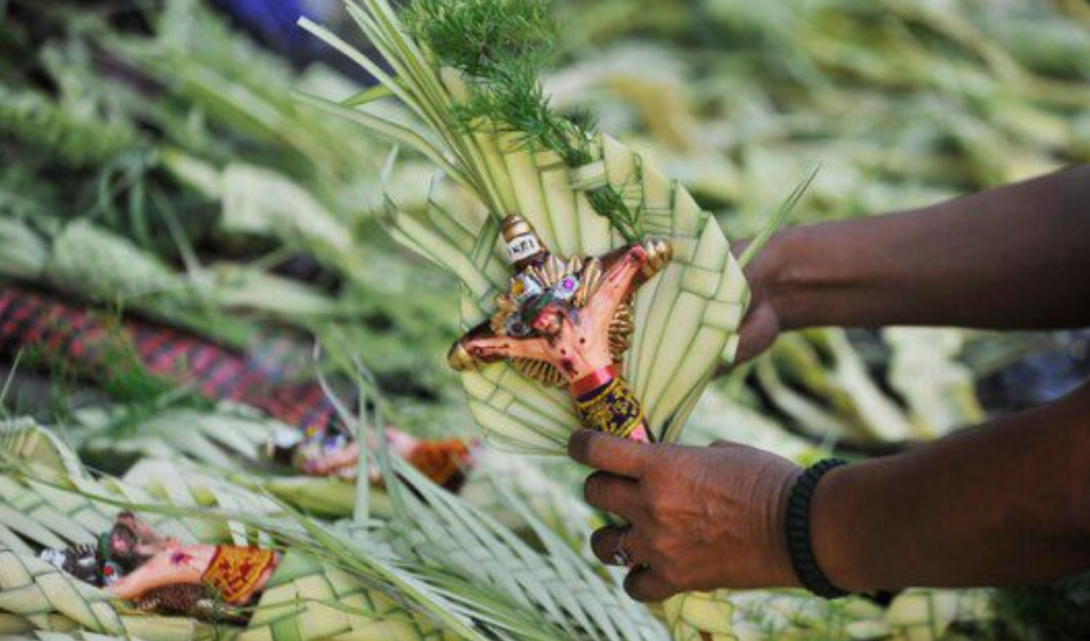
699 518
764 319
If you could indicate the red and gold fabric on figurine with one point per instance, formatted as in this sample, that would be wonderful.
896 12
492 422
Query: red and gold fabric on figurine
236 572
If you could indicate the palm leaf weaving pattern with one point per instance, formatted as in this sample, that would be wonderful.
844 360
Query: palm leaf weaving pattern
46 503
687 316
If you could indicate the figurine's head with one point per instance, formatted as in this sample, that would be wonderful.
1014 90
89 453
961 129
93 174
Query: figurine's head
131 542
549 320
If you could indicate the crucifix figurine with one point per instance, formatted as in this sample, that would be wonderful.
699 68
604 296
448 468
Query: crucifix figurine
566 322
161 575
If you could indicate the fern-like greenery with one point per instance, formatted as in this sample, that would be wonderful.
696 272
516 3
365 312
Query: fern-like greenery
503 45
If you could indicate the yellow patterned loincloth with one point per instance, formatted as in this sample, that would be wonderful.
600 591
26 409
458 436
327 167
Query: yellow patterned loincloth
614 410
236 571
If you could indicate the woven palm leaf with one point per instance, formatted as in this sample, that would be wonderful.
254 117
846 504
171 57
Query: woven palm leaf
24 251
700 616
686 318
45 502
74 635
305 600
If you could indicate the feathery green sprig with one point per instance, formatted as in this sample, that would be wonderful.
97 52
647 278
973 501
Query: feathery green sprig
503 46
476 35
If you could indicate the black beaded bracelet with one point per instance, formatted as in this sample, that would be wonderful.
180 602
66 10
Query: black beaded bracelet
797 528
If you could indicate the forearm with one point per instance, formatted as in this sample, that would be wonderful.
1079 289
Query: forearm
1004 504
1012 257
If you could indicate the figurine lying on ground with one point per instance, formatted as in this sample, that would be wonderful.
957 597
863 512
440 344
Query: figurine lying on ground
320 451
261 378
163 576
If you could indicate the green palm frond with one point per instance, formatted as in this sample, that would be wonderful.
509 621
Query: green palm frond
25 252
927 615
538 487
700 616
440 566
51 501
686 318
222 437
841 398
445 531
830 387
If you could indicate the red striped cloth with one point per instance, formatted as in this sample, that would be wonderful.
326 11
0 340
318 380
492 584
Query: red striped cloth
34 323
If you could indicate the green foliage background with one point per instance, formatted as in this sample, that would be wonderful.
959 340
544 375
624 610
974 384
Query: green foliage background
154 163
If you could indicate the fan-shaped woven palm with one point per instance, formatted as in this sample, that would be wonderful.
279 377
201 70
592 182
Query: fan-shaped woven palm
686 318
48 506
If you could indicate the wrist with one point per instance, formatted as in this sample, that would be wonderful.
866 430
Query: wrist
835 529
783 573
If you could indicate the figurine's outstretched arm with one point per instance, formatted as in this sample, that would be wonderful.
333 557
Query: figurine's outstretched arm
327 464
637 264
182 565
470 352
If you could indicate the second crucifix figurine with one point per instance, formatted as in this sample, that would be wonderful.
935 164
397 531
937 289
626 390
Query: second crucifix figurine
566 322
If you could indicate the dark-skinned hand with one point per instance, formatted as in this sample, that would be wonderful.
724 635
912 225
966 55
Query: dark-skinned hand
700 518
765 317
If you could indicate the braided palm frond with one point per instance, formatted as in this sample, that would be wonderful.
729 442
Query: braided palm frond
834 400
20 438
822 382
24 251
263 202
46 504
305 600
44 124
68 634
45 597
369 592
16 627
915 615
186 485
686 318
87 259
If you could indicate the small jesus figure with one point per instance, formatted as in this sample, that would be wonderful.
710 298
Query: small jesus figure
567 323
161 575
